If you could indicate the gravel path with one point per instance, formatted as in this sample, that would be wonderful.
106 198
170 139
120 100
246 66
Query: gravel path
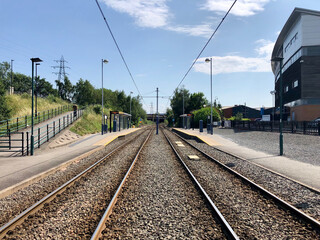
304 148
159 201
251 215
17 202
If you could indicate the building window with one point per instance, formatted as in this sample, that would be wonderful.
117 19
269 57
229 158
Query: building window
286 89
295 84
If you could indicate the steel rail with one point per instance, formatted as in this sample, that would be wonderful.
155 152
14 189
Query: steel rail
38 205
225 225
281 202
98 232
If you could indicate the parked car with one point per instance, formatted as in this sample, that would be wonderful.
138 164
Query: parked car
314 123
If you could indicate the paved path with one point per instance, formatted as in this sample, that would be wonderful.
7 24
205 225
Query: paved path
300 171
14 170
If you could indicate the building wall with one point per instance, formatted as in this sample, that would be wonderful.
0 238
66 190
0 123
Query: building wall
310 73
310 30
305 112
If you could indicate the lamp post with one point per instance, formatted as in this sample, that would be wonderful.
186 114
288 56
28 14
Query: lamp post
273 92
130 109
102 62
182 108
37 89
11 91
33 60
280 59
210 60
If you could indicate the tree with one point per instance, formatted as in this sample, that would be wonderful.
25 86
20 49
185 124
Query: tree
84 93
4 74
65 89
4 109
203 113
177 103
197 101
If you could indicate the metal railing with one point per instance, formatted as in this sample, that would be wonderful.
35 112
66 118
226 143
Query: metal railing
45 133
20 141
18 123
310 128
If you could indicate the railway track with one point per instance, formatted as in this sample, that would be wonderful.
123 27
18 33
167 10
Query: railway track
253 212
159 200
301 196
78 202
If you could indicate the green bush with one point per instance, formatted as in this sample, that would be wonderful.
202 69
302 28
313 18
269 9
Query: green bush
203 113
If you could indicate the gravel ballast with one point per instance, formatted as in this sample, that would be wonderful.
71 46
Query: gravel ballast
251 215
159 201
14 204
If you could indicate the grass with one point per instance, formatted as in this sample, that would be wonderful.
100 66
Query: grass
20 105
89 123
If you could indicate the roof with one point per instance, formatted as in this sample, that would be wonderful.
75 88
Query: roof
297 12
120 113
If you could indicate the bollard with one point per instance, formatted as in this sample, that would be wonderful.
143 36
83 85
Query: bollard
201 125
114 125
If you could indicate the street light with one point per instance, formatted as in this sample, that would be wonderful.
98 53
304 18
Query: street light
273 92
11 91
130 108
280 59
207 61
102 62
33 60
37 86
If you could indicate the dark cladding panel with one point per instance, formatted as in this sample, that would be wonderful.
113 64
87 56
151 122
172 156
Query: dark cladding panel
311 77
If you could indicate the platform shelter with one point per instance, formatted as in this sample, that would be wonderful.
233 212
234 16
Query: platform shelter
120 120
187 121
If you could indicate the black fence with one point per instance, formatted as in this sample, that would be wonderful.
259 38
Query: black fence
311 128
18 123
20 141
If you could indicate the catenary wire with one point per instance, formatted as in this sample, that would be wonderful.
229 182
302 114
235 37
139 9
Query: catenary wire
115 41
203 49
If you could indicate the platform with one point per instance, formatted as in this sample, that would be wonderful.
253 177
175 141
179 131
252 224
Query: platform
15 170
305 173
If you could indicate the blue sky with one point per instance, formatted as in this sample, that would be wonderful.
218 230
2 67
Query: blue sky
159 40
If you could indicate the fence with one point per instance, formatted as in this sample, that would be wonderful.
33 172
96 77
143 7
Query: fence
10 141
311 128
16 124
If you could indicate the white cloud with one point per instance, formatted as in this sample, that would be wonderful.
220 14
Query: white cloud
198 30
146 13
233 63
156 14
241 7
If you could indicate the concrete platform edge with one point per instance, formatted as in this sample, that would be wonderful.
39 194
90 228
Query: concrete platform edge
7 191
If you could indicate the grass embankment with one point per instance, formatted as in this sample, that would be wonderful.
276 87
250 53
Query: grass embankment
20 105
90 121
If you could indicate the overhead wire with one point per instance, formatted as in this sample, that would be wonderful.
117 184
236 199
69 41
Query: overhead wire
203 49
115 41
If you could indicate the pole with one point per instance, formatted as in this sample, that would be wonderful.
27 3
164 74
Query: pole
36 92
32 93
102 95
11 92
182 108
130 109
157 113
280 130
211 95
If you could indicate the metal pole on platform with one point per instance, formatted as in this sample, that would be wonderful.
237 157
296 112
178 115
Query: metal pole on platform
33 60
102 121
210 60
280 59
157 113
